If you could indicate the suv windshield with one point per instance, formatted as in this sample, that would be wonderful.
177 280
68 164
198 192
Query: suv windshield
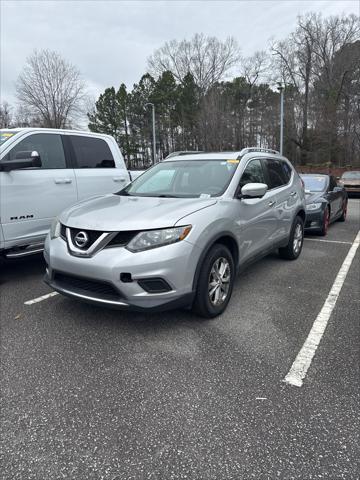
315 183
184 178
5 135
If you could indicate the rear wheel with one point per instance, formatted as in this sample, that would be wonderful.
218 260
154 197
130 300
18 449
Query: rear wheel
344 212
294 247
325 222
215 282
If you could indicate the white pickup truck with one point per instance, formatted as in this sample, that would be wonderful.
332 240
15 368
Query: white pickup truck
42 172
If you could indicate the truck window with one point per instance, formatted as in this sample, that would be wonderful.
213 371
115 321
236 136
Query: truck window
92 152
48 145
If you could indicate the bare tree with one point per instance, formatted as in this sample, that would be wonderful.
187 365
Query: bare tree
51 88
5 115
207 59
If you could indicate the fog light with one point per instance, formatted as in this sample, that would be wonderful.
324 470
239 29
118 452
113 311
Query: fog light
154 285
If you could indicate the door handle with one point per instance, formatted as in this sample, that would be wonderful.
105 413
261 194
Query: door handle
293 194
271 204
119 179
62 181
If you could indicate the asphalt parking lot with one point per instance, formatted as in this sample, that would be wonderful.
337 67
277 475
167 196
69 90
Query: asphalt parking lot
89 393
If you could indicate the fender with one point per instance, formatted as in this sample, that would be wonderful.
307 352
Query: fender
205 251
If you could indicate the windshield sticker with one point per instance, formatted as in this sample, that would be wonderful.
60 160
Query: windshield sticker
205 195
233 161
7 134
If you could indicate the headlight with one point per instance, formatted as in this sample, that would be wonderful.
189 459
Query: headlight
157 238
313 206
55 229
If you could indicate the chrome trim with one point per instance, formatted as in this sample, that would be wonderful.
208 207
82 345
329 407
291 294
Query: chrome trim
87 297
100 243
24 253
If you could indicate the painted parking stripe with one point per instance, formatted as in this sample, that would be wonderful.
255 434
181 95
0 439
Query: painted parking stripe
40 299
304 358
327 241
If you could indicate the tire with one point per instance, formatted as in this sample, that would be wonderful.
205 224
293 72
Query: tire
325 222
344 212
205 304
296 240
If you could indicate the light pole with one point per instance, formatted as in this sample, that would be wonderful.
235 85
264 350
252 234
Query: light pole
281 89
153 130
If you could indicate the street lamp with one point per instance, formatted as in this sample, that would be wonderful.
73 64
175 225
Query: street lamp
153 130
281 89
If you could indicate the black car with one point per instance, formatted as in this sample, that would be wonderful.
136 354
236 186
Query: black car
326 202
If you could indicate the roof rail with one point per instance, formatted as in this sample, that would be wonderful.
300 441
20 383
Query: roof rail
258 149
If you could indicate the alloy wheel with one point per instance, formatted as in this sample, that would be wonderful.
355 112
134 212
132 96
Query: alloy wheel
298 238
219 281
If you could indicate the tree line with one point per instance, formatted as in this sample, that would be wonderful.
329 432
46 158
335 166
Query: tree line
207 96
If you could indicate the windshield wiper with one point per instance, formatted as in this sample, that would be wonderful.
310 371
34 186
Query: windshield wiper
166 196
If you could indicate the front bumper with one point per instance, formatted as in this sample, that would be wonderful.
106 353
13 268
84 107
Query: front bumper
314 219
98 280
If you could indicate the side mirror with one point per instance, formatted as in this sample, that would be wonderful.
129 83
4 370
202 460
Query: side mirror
253 190
25 159
338 189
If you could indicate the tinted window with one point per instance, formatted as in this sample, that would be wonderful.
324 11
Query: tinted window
278 173
92 152
49 146
253 173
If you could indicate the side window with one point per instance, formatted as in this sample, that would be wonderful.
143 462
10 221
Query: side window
92 152
333 183
48 145
253 173
276 173
287 170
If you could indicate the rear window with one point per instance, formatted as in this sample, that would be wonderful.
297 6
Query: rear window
6 135
92 152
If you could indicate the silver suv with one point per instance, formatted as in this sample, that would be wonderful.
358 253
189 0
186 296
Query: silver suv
179 233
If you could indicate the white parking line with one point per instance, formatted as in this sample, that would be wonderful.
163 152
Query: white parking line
304 358
40 299
327 241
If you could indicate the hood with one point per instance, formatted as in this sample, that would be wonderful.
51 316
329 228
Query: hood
312 197
120 213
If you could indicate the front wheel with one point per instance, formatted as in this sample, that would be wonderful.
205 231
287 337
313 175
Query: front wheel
344 212
216 281
296 240
325 222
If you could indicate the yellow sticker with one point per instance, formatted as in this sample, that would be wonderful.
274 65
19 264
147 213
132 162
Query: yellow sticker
233 161
7 134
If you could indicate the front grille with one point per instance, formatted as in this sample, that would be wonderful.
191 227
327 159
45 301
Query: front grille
122 238
93 236
85 285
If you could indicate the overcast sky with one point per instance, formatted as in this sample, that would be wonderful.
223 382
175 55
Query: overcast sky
110 41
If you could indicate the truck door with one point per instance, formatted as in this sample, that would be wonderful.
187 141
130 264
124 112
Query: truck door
95 168
30 198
